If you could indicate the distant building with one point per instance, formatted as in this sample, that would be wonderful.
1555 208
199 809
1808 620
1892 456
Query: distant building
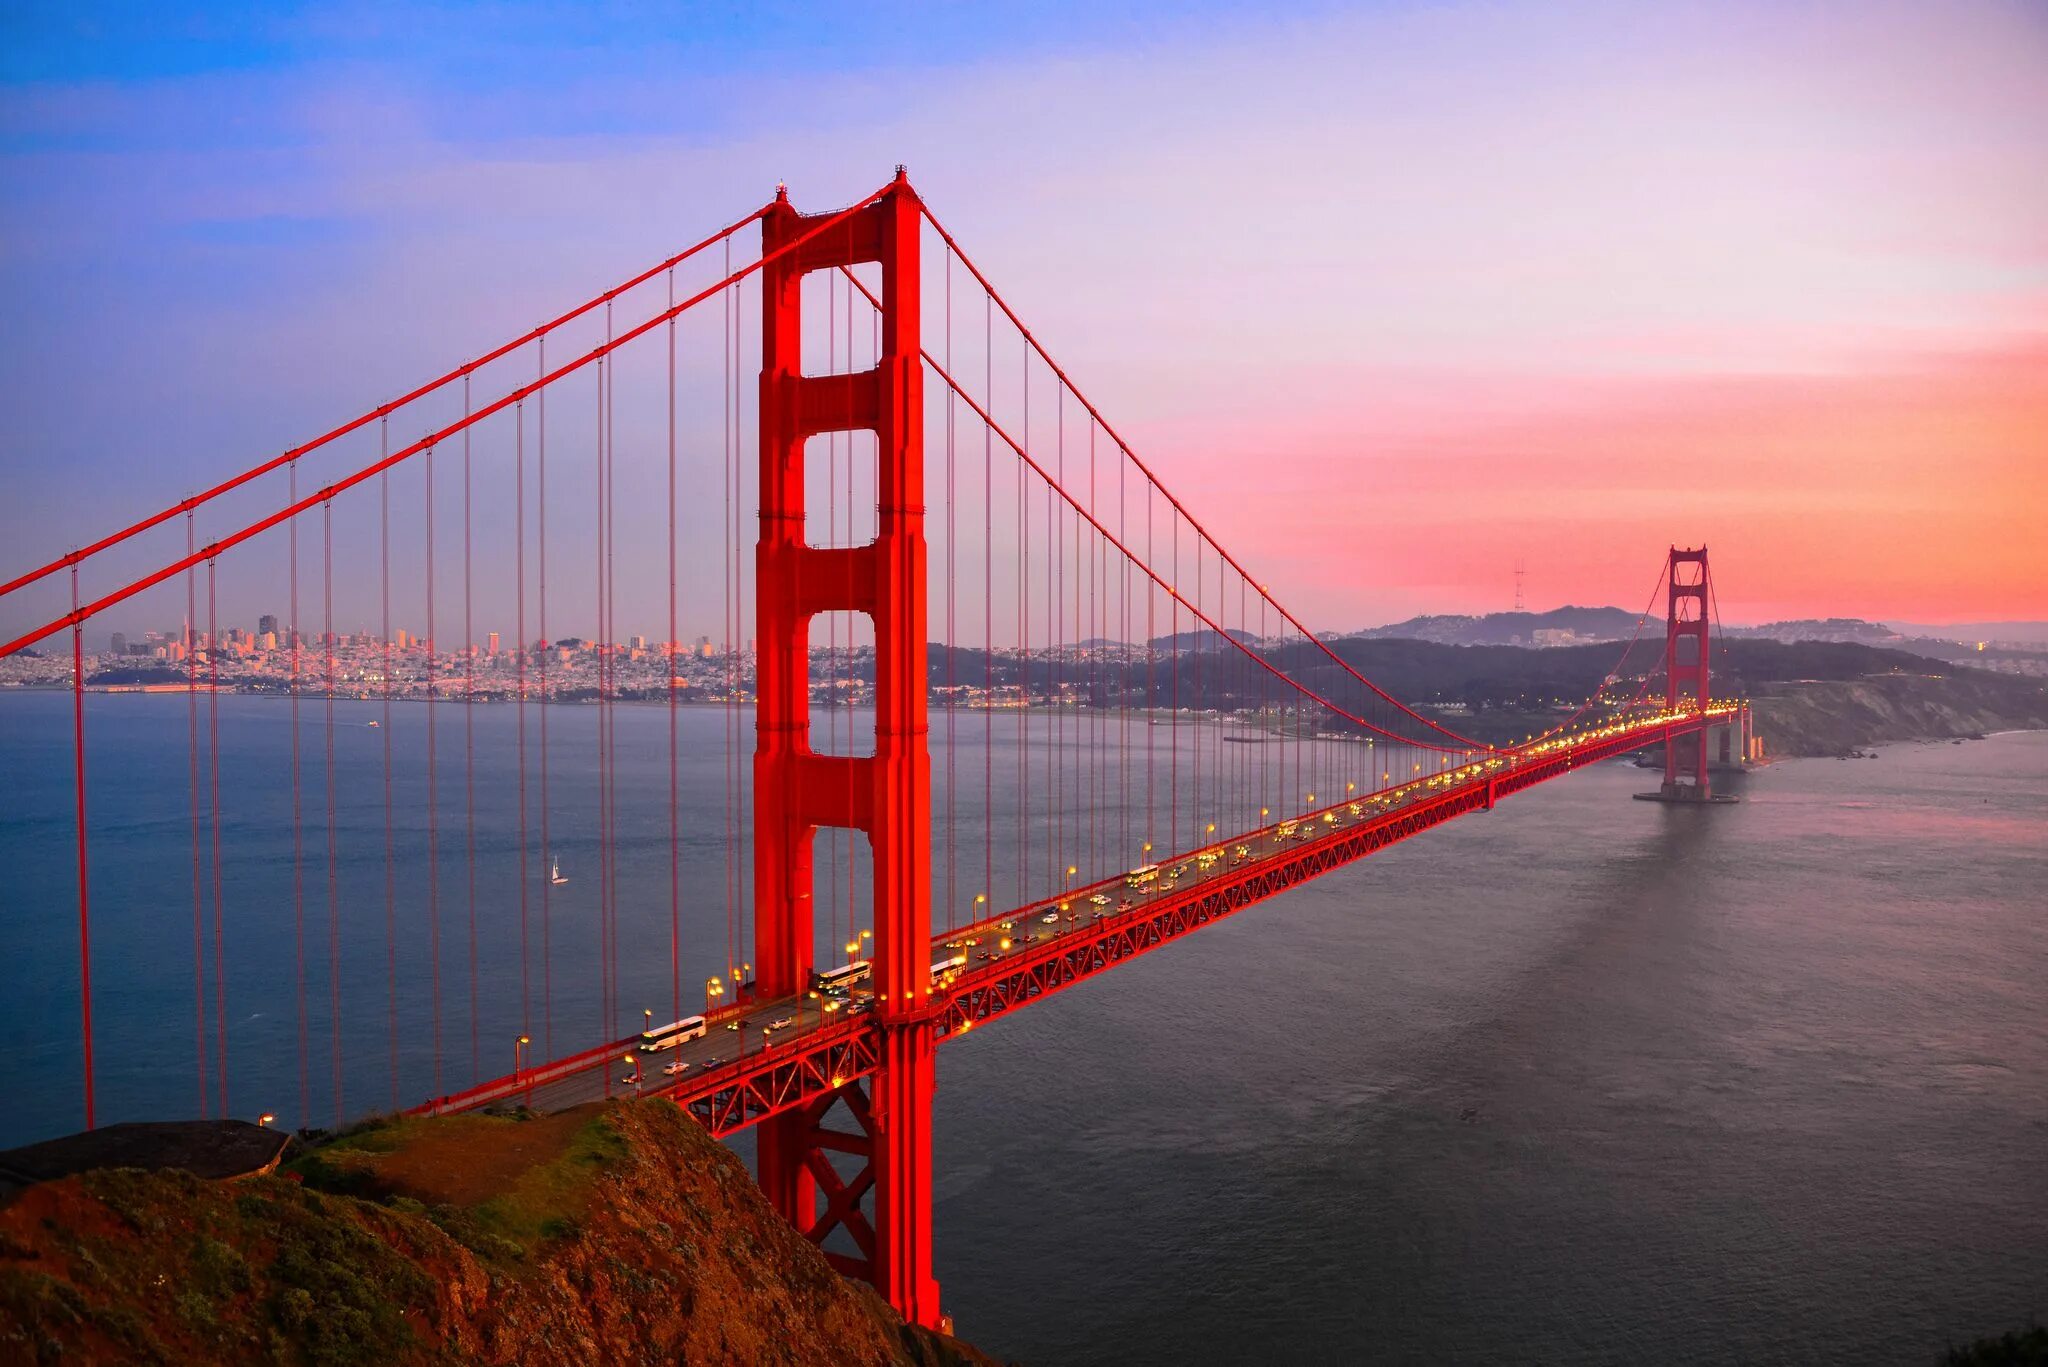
491 644
119 643
266 625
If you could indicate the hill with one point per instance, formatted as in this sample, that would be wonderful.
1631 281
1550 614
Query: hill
1562 626
617 1232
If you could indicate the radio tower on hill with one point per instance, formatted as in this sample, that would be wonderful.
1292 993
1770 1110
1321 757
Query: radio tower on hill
1518 586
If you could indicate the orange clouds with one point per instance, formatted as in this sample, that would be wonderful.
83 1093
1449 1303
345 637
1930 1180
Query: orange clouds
1908 491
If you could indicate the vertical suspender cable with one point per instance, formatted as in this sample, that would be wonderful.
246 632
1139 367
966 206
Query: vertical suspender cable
84 899
1173 693
675 866
952 630
609 380
1024 653
469 750
433 791
189 646
547 849
390 829
333 866
603 812
519 705
298 831
220 979
988 602
729 460
1055 847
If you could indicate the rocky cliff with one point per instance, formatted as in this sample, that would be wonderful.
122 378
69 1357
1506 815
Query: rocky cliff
1832 717
616 1233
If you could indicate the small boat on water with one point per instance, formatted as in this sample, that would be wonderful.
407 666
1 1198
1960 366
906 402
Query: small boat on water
375 723
555 871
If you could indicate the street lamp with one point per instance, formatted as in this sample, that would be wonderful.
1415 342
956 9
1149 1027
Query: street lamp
263 1121
647 1013
519 1064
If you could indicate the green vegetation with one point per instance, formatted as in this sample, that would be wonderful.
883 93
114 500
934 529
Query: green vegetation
546 1201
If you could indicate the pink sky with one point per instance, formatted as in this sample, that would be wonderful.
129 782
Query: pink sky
1392 299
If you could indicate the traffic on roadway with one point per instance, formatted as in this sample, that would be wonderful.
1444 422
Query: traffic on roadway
674 1054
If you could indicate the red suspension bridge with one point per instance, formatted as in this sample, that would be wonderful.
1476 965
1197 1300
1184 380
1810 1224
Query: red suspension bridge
1016 718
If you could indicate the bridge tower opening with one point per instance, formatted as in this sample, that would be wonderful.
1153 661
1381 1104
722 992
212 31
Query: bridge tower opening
1686 648
886 795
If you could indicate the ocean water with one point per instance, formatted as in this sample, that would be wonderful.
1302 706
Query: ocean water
1579 1080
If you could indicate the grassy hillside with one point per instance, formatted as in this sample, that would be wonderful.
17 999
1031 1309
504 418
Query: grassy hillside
615 1233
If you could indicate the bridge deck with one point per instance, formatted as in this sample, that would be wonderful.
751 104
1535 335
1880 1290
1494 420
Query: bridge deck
748 1068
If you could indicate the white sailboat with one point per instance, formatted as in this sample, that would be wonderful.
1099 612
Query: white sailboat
555 871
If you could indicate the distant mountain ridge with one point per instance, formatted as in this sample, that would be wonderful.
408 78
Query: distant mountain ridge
1560 626
2030 633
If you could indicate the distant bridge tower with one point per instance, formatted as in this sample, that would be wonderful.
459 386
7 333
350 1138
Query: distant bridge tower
888 795
1685 670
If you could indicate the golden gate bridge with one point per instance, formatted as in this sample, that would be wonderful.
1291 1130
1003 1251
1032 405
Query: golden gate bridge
990 565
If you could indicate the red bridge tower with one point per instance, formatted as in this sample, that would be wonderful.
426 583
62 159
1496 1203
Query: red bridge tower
1685 671
888 795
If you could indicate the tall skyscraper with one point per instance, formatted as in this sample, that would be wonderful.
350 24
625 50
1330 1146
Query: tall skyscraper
491 644
267 622
119 644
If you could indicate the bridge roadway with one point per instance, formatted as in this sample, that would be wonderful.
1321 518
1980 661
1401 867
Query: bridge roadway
764 1057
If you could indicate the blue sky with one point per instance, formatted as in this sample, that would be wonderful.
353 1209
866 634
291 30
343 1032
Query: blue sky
1497 245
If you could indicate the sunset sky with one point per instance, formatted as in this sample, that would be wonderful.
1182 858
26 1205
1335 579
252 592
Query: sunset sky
1550 283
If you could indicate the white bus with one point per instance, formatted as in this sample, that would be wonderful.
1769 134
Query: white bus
669 1036
945 966
842 979
1142 876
